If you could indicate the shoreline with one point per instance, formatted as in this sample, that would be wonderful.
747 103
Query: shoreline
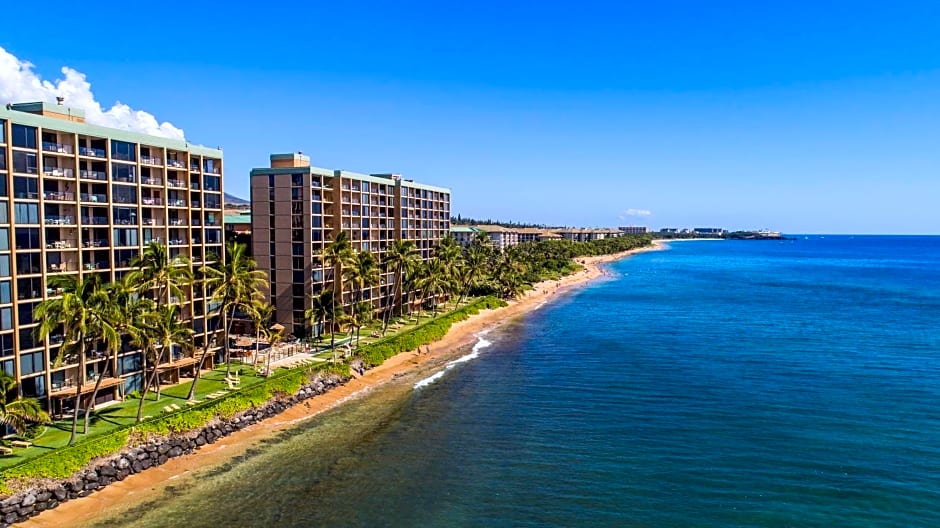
141 486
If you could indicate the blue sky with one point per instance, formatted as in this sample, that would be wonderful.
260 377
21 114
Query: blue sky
798 116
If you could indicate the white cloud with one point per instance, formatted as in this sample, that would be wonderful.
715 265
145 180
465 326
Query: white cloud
637 212
20 84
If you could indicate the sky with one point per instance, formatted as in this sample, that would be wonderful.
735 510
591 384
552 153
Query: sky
803 117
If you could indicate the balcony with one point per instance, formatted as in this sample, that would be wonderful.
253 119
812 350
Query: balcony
151 201
100 242
193 168
176 183
27 194
59 244
62 267
150 160
58 220
175 163
194 186
93 175
93 198
59 148
173 202
177 242
56 172
152 222
177 222
95 220
100 265
130 178
92 152
58 196
151 181
213 170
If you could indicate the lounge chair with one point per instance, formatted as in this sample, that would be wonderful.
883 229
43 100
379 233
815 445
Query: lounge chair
5 451
21 443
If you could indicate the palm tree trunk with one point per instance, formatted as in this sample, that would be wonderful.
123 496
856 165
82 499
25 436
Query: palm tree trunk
388 313
78 390
94 396
143 394
202 360
228 332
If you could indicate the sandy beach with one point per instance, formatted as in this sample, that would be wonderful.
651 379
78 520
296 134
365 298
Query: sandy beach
141 486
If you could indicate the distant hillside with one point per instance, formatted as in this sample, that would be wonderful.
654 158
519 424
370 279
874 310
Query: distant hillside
235 200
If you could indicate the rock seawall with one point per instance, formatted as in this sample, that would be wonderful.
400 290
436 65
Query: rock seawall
103 471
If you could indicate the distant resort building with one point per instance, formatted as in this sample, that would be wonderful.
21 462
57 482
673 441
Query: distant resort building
634 230
464 235
237 222
501 237
709 231
298 209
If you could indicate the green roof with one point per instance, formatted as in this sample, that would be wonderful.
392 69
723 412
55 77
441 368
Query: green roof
237 219
463 229
75 127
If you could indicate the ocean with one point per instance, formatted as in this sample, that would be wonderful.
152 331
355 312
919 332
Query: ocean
715 384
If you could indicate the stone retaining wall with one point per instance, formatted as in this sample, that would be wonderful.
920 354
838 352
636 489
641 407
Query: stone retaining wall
103 471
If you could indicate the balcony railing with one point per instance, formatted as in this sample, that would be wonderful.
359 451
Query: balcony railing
125 221
100 242
176 183
93 175
175 163
95 198
150 160
151 181
152 221
213 170
60 196
59 244
177 241
92 152
194 186
27 194
58 220
95 220
61 148
151 201
57 172
130 178
176 202
177 222
193 168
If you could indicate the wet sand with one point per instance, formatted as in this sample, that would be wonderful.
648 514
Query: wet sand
147 485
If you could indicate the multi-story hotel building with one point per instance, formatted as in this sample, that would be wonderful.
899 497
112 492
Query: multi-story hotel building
82 199
297 210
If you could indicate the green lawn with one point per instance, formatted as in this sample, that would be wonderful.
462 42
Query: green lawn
125 413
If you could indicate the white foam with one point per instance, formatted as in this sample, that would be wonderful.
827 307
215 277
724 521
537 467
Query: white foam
474 353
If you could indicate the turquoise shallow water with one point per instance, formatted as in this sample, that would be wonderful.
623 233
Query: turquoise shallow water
731 384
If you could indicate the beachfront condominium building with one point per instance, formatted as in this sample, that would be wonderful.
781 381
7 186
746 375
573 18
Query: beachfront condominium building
298 209
500 237
80 199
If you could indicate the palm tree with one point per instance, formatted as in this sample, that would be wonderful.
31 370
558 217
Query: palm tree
18 412
144 337
475 258
360 316
337 254
261 315
402 256
235 284
213 310
509 274
273 335
77 311
168 330
434 281
155 269
320 308
362 273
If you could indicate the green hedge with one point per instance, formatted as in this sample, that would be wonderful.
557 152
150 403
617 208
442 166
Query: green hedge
63 462
375 354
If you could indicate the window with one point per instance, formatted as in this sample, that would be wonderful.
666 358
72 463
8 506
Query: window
26 339
4 211
30 363
26 187
26 213
24 136
3 131
297 180
123 151
25 311
27 262
125 237
212 183
4 265
27 238
4 238
123 173
3 154
123 194
6 318
25 162
6 345
6 292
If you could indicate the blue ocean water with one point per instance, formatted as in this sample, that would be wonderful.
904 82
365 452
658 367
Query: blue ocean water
716 384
